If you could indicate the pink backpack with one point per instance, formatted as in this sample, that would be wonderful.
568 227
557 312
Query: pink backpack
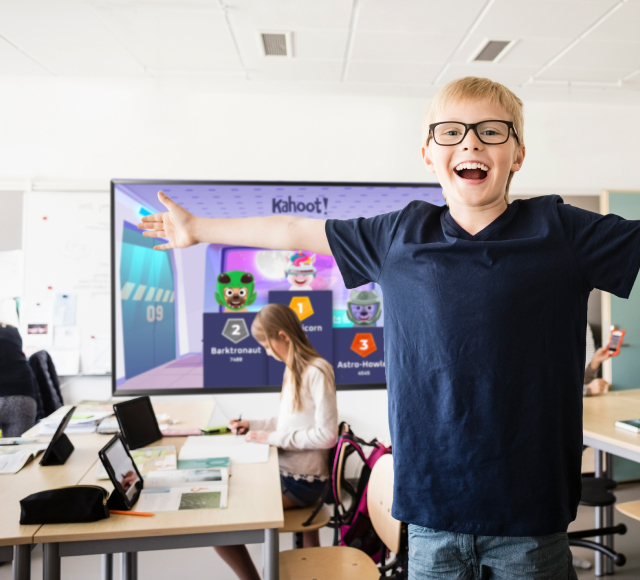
351 520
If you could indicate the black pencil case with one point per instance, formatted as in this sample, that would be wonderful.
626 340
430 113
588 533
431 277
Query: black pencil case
65 505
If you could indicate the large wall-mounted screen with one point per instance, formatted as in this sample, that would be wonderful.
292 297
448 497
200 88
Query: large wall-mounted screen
182 318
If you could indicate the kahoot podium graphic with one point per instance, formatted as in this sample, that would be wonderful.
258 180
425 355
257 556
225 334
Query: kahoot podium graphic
231 356
358 355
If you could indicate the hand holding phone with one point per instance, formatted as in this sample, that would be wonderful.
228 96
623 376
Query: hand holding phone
615 342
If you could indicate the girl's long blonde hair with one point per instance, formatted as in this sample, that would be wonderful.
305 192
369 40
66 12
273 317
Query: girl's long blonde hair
276 318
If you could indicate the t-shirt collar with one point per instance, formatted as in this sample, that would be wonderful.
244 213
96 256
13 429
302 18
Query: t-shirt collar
453 229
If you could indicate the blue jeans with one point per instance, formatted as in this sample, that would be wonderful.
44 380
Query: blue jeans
437 555
301 492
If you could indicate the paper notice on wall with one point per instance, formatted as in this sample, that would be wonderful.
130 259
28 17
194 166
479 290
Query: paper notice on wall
11 274
64 310
37 322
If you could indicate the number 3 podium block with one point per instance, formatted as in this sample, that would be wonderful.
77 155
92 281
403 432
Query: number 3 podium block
315 311
358 355
231 357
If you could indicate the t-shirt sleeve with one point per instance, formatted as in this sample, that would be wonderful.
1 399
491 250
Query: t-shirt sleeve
360 246
606 248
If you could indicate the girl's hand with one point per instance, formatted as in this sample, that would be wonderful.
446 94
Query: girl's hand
176 225
601 355
239 427
257 436
598 386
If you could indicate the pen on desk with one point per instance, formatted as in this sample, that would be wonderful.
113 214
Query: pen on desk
238 427
121 512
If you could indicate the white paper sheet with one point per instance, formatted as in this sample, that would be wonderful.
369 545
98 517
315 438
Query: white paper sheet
232 446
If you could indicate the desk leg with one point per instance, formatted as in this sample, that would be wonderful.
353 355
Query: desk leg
22 562
51 562
599 523
107 566
271 554
608 519
129 569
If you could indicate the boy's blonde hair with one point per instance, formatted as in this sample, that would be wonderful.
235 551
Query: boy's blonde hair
476 89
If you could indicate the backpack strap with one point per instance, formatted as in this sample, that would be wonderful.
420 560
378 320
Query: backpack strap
323 498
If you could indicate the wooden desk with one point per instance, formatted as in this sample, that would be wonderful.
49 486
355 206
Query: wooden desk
599 431
599 417
253 515
16 540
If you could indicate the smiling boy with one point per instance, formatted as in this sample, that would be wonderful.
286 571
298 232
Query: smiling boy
484 339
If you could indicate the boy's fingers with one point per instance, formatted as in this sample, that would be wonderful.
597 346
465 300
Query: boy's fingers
165 200
154 234
162 247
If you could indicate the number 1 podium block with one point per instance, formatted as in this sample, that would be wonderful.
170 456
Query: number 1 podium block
315 311
231 357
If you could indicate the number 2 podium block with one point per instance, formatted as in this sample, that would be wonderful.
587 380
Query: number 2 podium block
231 357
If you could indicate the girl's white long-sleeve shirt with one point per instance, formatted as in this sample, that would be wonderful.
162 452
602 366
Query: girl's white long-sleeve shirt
304 437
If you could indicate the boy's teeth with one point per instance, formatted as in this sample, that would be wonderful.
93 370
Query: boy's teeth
471 166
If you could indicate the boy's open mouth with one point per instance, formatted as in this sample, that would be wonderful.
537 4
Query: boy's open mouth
471 170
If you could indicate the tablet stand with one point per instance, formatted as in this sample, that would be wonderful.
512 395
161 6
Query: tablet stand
58 451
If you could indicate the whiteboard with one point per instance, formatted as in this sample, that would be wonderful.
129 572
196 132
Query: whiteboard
67 254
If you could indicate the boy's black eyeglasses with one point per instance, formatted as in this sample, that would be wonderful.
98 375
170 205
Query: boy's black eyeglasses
449 133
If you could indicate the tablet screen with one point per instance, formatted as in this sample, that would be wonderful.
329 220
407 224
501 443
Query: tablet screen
124 469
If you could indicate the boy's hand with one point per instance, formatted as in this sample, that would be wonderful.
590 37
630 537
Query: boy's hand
176 225
598 386
257 437
239 427
601 355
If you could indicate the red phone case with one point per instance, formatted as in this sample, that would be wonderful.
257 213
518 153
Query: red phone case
620 334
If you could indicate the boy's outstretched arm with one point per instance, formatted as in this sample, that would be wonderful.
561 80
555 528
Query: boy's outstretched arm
278 232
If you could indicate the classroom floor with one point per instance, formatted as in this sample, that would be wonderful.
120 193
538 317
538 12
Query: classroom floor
203 562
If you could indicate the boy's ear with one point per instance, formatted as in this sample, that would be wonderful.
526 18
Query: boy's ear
518 159
427 160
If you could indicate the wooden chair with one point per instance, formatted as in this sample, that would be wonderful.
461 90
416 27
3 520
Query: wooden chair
295 518
341 562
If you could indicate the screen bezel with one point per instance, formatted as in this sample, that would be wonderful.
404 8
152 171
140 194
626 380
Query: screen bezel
231 390
102 454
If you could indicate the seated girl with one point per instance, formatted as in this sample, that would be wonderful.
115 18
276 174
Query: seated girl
305 429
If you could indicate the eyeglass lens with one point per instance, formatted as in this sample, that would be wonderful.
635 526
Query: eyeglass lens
489 132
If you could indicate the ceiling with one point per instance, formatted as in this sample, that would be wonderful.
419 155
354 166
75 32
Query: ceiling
407 46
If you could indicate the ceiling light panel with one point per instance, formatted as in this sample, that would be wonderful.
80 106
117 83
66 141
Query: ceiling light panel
427 17
402 46
174 38
392 73
576 74
602 54
289 14
542 18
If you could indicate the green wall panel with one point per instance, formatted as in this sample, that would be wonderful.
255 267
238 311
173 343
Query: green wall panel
626 315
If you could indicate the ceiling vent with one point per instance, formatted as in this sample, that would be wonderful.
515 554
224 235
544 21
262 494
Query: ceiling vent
493 50
276 43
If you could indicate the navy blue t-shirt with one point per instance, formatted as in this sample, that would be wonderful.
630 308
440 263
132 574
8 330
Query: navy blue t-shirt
485 355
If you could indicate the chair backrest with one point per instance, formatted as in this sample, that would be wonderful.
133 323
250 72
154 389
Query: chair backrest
379 500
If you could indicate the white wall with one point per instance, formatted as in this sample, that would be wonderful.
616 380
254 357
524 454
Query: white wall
61 129
77 130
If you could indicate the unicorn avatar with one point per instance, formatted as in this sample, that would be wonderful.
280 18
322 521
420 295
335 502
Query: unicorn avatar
300 271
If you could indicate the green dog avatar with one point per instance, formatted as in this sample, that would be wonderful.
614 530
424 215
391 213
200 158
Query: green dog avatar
236 291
